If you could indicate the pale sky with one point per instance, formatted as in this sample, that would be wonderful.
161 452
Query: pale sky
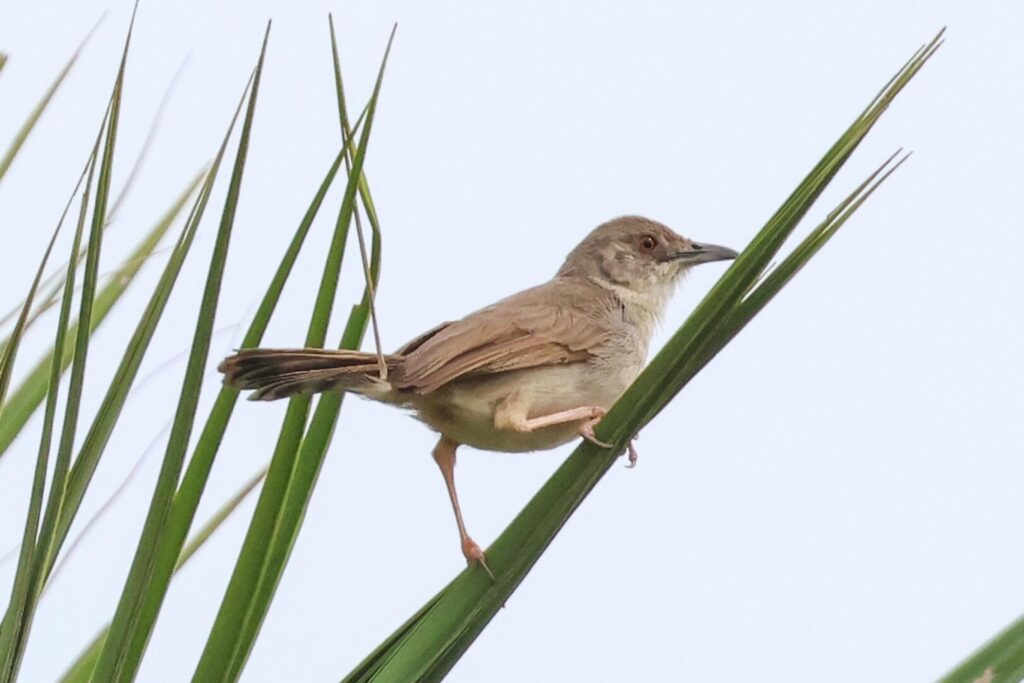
835 497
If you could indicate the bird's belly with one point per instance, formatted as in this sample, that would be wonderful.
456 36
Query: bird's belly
464 410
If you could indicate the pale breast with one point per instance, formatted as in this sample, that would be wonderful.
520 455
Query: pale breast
464 410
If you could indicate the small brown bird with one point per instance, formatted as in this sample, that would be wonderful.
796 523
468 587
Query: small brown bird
530 372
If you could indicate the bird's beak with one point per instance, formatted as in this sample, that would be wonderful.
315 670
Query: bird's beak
703 253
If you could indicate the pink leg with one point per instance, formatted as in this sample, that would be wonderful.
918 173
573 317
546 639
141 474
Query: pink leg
444 456
590 415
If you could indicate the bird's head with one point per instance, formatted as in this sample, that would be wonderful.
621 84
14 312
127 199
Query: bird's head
635 255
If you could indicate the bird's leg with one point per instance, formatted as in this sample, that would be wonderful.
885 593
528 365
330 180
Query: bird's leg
444 456
590 415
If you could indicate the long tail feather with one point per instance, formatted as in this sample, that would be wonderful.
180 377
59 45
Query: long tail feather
278 373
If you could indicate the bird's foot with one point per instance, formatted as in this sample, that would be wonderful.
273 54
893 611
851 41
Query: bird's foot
475 555
587 432
633 455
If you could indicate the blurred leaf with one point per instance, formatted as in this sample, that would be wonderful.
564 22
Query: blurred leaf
10 346
147 143
124 645
58 521
219 517
30 393
193 484
427 648
18 619
33 118
81 670
55 282
274 524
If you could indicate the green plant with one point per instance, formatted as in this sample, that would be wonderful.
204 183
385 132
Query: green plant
432 640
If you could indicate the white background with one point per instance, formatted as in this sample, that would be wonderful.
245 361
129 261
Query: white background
836 497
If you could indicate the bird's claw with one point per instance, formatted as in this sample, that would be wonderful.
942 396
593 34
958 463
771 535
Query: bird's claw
587 432
475 555
633 455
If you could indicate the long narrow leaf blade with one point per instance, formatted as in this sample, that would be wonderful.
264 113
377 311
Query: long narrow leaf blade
113 402
259 564
33 118
18 621
124 646
194 481
28 395
10 348
81 669
364 194
19 609
318 437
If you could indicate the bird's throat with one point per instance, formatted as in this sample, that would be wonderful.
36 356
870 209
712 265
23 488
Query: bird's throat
644 308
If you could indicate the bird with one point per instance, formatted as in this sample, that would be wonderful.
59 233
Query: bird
530 372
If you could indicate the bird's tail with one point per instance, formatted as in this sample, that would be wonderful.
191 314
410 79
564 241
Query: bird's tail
279 373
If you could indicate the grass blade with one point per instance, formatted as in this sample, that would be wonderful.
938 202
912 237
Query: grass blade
260 563
170 553
30 393
318 437
194 482
18 620
10 346
37 112
364 194
54 283
59 523
427 649
124 646
18 616
81 670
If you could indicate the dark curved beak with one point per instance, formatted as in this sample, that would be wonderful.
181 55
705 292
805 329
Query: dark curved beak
703 253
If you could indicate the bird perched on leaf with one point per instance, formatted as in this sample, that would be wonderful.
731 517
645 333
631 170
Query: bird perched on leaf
530 372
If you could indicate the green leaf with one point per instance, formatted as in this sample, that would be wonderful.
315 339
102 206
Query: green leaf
260 563
30 393
427 648
371 266
10 347
17 621
170 555
57 524
81 670
37 112
55 282
1000 659
18 616
194 482
122 651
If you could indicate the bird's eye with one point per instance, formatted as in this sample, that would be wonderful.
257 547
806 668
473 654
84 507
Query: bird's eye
648 243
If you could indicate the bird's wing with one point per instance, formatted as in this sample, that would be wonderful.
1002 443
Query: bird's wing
554 324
